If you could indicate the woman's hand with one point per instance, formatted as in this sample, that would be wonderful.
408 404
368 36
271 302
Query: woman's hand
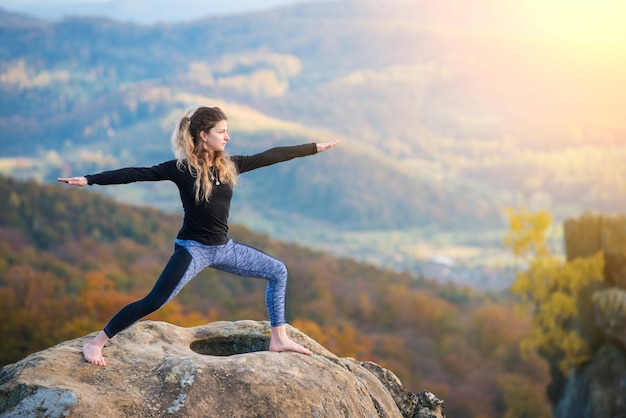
323 146
74 181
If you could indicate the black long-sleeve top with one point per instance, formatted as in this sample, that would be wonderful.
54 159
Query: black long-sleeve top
205 222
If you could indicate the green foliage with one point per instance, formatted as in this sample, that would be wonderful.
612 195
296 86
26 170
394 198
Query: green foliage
551 287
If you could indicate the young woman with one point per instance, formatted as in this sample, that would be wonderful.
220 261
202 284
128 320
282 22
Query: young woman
205 175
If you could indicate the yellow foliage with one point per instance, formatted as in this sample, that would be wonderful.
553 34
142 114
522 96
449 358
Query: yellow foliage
522 398
551 287
527 231
259 83
342 340
200 73
18 74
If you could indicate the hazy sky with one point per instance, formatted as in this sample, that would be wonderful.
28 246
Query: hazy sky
569 55
141 11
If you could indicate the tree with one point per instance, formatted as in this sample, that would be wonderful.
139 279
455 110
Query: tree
550 287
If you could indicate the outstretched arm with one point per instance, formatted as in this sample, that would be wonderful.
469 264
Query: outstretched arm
323 146
275 155
163 171
74 181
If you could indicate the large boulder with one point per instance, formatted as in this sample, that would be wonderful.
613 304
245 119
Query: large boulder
220 369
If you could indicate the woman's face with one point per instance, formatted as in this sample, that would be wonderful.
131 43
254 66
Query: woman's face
216 138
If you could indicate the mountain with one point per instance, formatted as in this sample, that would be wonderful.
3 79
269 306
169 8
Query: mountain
145 12
439 128
70 259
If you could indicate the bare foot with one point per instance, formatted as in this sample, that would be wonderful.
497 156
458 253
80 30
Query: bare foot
92 351
280 342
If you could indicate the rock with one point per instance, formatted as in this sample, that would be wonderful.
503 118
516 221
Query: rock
220 369
591 232
421 405
598 389
584 236
610 313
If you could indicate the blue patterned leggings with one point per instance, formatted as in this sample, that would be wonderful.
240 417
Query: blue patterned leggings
189 259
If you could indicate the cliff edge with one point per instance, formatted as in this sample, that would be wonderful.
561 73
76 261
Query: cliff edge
597 388
221 369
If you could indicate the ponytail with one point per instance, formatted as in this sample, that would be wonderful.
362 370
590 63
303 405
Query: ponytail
182 141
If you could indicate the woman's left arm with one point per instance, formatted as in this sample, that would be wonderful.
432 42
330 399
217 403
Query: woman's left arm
323 146
246 163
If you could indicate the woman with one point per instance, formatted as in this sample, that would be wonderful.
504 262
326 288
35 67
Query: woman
205 176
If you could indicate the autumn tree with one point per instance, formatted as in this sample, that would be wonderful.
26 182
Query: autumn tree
550 287
31 306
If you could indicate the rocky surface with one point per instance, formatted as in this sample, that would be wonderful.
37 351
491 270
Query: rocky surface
597 388
220 369
591 232
609 306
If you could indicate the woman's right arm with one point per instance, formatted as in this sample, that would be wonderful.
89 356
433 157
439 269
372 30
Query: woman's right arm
74 181
164 171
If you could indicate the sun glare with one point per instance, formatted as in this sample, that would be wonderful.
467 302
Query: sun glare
557 62
594 23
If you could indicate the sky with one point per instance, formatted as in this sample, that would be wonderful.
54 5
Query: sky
585 20
570 60
139 11
595 21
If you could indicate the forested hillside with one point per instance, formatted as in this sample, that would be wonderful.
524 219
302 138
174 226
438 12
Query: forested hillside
439 131
69 259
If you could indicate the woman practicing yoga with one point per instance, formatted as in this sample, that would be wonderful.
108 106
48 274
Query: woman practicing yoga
205 175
